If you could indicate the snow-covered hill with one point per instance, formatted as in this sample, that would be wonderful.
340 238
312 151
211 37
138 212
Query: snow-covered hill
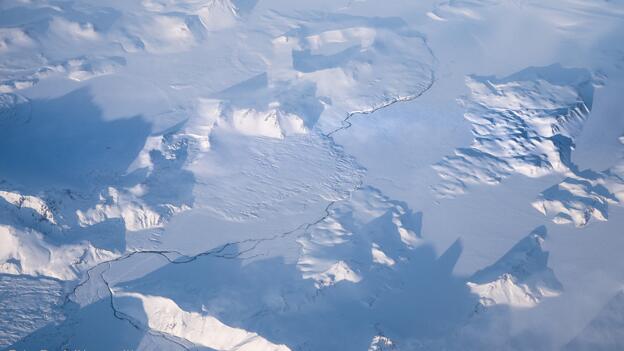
311 175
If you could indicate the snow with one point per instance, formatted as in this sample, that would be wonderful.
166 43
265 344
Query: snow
25 252
604 331
380 257
73 30
311 175
519 127
165 316
34 303
521 278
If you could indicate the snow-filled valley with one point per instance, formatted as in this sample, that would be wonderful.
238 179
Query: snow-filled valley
255 175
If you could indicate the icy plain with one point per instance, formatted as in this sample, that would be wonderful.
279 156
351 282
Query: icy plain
255 175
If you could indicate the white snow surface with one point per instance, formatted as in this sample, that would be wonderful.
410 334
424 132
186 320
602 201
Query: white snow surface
245 175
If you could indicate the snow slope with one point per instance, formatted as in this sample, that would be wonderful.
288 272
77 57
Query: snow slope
311 175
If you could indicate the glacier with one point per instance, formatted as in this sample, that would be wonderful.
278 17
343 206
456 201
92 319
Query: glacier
311 175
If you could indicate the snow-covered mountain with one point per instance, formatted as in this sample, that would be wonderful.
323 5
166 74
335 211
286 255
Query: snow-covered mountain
311 175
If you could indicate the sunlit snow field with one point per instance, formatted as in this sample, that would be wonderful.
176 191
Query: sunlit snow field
255 175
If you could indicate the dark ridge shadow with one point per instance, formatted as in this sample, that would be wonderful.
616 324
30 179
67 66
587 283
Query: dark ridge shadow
67 143
169 182
565 145
65 153
418 299
93 327
242 89
108 234
430 301
256 93
599 198
525 260
557 74
302 101
491 326
413 220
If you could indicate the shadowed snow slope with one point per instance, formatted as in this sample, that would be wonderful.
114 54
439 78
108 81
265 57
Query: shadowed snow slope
583 195
299 175
524 124
521 278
